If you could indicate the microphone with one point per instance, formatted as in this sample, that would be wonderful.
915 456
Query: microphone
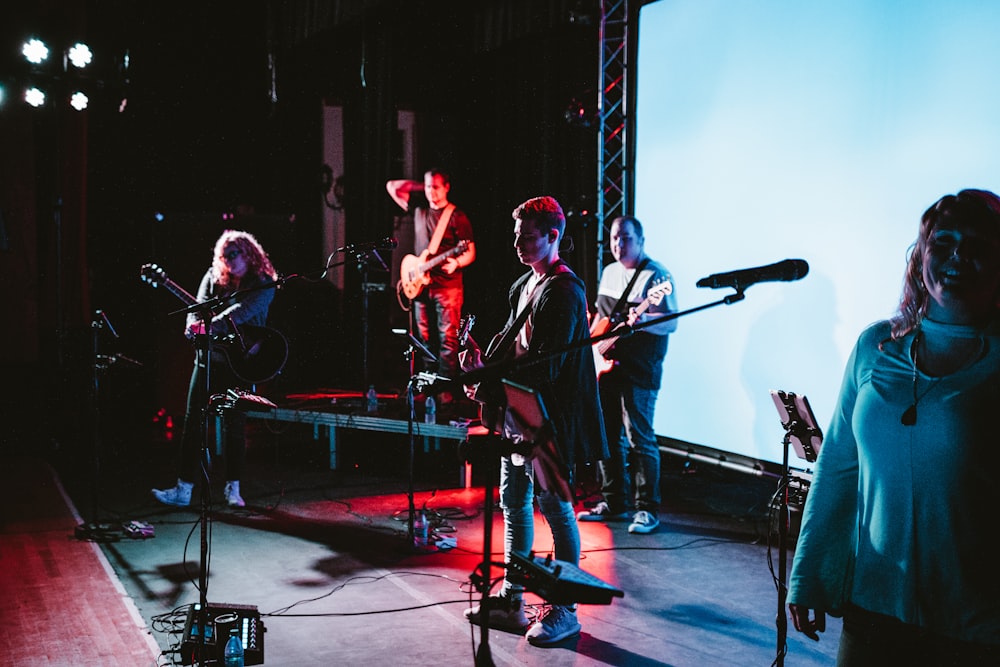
785 270
105 322
387 243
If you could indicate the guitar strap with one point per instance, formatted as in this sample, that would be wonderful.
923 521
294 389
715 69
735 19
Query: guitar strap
509 334
623 299
432 247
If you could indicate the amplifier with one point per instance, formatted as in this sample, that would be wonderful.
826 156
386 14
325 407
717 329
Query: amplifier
220 618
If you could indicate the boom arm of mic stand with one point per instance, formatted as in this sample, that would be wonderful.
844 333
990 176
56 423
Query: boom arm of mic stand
495 370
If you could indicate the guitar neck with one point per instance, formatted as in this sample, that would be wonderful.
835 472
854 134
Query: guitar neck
605 345
179 292
430 264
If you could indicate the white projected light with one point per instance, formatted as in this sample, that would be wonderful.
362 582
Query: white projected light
776 130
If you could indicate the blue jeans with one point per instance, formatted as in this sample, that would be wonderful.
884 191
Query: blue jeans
441 308
516 500
628 423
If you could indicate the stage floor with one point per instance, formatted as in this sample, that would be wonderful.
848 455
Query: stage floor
324 556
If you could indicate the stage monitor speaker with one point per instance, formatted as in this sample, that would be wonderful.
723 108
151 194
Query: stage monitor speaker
220 618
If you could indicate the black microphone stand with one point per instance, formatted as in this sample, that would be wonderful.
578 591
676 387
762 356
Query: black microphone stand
621 331
801 429
94 530
421 383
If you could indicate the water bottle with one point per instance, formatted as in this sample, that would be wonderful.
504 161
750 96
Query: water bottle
233 655
372 405
420 530
430 411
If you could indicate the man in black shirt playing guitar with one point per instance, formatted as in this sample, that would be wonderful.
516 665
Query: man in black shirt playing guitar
239 262
443 240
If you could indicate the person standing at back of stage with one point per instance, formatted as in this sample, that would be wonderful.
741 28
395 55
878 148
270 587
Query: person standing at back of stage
629 387
898 531
438 226
554 300
238 263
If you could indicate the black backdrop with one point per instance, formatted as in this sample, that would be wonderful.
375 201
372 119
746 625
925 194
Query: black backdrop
205 134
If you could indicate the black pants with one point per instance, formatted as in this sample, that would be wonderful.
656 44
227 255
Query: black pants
234 424
874 640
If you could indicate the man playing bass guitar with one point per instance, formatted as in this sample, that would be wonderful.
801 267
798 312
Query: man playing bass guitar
633 283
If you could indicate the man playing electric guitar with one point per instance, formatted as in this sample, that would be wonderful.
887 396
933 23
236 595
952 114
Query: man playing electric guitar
632 289
439 230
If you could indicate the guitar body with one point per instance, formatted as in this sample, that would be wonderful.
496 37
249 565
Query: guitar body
415 272
602 325
602 364
255 354
412 278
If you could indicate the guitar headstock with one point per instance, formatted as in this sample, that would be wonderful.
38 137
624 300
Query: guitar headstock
465 328
658 291
153 275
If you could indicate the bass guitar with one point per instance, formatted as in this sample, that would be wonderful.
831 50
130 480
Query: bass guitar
601 326
414 272
255 354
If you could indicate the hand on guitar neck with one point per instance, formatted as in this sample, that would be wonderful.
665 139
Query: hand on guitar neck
414 272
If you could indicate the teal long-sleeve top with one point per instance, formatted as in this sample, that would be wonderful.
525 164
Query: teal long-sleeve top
902 520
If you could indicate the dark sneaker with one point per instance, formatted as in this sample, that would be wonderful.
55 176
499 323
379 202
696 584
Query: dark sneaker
601 512
555 625
643 523
506 613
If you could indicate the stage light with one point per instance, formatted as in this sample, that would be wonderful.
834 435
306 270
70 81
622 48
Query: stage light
34 96
80 55
79 101
35 51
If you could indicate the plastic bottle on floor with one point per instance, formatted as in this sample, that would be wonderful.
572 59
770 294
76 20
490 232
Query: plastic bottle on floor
372 405
430 411
233 655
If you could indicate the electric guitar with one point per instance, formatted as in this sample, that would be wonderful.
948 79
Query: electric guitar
601 326
255 354
414 272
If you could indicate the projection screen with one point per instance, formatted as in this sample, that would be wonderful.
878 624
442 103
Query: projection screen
776 129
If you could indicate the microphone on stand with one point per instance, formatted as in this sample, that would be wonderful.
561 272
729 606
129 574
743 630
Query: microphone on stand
785 270
106 323
387 243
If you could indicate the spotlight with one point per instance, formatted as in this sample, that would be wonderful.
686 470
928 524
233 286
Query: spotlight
80 55
34 97
79 101
35 51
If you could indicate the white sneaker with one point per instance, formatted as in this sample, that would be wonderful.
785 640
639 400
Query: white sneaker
178 496
232 494
555 625
643 523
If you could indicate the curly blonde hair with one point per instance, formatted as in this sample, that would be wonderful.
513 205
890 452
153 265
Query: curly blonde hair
258 263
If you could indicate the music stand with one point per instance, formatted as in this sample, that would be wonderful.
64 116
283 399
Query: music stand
535 434
805 437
